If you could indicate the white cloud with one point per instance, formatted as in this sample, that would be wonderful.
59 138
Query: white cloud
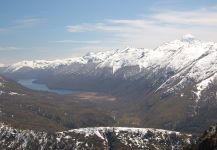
78 42
191 18
23 23
27 22
9 48
107 26
159 27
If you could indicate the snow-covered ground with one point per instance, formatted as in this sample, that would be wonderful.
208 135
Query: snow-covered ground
100 137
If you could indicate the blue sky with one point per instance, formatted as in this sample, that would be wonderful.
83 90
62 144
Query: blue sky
51 29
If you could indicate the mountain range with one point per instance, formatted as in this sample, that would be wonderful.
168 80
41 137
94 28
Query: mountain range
171 87
174 65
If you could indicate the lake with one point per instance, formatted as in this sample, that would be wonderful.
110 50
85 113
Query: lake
29 83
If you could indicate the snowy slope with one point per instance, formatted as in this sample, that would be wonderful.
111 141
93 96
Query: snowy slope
93 138
43 64
181 52
188 58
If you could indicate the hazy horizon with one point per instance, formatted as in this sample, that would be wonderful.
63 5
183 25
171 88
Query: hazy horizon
50 30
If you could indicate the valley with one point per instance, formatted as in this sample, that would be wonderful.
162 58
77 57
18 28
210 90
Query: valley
170 87
44 111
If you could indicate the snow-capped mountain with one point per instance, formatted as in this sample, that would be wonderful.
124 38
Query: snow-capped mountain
93 138
180 61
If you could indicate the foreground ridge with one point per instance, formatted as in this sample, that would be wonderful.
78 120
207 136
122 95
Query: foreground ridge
93 138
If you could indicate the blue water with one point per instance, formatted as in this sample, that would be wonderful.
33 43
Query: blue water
29 83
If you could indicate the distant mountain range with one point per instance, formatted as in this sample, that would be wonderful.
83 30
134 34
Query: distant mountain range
172 86
174 65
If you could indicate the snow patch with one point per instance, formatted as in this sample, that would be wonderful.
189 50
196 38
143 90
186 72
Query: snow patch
203 85
14 93
1 92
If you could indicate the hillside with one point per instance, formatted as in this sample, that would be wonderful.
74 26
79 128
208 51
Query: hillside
43 111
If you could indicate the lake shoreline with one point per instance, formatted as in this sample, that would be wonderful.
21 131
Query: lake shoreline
31 84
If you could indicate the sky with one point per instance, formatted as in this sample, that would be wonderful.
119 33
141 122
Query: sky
54 29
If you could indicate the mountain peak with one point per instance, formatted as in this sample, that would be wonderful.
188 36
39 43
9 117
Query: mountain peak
188 38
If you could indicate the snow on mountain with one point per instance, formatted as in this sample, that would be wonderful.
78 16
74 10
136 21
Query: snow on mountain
96 138
193 61
2 65
175 54
123 58
188 58
43 64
